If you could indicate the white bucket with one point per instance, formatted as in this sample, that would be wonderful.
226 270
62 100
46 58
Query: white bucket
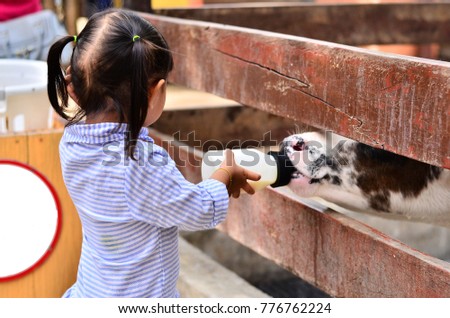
24 104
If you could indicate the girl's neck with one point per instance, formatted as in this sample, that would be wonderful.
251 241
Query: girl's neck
106 117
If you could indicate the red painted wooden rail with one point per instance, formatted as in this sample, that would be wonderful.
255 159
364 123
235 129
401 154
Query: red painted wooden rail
391 101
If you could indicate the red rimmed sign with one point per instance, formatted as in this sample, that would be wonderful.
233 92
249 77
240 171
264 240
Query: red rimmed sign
30 219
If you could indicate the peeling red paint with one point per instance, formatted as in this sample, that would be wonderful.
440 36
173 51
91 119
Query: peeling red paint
324 85
418 120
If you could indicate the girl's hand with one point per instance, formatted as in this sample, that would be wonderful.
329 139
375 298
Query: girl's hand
234 176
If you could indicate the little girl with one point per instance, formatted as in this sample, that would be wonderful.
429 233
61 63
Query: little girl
131 209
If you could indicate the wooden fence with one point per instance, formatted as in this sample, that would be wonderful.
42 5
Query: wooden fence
394 102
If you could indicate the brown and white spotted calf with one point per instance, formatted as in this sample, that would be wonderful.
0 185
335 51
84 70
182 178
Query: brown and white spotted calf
362 178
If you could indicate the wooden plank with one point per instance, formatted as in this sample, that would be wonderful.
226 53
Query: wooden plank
341 256
58 272
389 101
202 277
14 146
376 23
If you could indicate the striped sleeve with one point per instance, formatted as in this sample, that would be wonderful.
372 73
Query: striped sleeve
157 193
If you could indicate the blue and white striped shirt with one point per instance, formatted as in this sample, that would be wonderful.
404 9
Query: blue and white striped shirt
131 212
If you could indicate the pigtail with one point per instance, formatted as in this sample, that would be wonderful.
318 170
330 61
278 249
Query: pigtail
139 83
56 86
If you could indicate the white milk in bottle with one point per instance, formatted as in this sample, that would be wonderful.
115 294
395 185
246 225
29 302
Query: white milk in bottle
274 167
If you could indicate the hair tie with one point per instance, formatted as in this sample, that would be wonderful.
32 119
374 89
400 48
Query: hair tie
136 37
75 38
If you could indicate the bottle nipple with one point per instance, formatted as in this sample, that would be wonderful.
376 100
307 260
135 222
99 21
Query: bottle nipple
285 168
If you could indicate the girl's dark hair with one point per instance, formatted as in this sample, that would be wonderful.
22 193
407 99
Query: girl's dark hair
111 69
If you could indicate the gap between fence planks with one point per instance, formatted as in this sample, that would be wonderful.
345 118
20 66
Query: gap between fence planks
388 101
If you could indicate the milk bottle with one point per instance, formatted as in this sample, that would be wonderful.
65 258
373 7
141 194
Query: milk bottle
274 167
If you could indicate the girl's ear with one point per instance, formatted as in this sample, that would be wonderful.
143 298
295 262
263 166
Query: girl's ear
156 101
70 90
160 87
157 94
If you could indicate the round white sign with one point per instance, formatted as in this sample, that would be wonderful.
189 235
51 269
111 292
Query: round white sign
30 219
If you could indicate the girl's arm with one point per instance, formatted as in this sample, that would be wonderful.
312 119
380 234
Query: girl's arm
157 193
